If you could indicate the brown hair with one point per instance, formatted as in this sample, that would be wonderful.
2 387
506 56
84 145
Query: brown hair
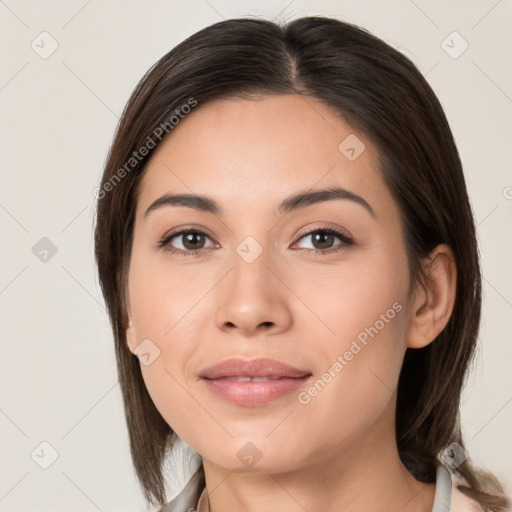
376 90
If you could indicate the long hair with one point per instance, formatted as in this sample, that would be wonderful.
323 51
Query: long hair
381 93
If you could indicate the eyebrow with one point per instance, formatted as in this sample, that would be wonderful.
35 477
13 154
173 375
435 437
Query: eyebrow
292 203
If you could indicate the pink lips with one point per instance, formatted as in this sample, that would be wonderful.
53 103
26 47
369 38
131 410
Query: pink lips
253 383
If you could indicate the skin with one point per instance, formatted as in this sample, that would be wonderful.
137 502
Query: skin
289 304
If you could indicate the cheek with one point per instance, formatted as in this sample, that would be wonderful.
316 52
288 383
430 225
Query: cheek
167 309
365 309
166 300
351 296
357 389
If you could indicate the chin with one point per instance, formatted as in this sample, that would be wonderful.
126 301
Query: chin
246 456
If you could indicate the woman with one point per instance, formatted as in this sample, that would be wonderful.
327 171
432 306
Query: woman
287 252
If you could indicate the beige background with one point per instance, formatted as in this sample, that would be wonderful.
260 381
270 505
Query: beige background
57 371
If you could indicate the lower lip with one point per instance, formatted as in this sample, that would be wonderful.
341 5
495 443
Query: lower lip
254 394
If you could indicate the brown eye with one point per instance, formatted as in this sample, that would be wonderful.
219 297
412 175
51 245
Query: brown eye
323 240
186 241
193 240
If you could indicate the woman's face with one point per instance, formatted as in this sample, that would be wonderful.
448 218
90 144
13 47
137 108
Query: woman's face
249 285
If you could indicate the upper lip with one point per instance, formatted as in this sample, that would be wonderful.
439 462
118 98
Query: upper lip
262 367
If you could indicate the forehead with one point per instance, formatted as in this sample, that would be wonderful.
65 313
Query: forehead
249 152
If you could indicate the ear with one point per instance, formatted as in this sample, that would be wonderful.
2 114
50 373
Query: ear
130 334
434 299
131 337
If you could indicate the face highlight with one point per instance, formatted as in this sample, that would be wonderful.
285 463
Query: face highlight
262 267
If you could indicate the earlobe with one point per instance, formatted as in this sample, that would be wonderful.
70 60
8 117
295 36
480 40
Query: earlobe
434 299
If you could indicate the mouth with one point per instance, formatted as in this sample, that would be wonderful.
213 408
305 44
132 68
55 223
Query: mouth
247 378
253 383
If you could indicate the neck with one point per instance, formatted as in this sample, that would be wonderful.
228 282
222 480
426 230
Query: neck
367 475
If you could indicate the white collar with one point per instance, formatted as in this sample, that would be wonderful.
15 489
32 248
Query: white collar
443 495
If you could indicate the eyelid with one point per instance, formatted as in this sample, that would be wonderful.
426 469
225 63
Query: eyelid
192 227
337 230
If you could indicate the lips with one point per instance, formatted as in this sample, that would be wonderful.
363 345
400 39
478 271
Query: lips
252 383
250 379
269 368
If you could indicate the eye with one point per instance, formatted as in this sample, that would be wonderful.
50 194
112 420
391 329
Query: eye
189 242
323 239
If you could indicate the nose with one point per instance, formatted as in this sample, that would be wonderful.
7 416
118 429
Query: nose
253 298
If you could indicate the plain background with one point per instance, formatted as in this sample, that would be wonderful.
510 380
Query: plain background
58 377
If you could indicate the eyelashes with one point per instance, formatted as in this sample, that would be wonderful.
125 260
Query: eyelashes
194 234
